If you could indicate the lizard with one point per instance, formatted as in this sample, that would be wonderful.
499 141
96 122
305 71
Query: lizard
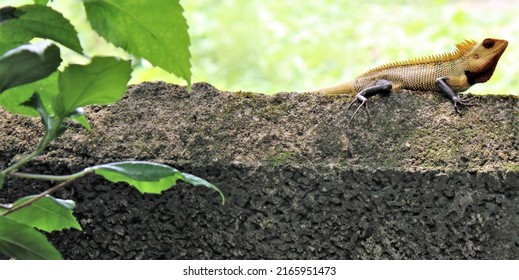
448 73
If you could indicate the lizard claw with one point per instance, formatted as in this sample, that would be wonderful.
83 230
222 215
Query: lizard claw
463 101
363 103
351 103
466 101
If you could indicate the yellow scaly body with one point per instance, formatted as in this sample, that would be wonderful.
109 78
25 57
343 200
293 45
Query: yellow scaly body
469 64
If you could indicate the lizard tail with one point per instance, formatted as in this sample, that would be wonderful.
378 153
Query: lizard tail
340 89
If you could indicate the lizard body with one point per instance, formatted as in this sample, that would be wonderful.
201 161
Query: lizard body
448 73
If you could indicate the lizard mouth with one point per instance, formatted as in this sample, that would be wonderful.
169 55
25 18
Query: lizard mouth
485 75
488 70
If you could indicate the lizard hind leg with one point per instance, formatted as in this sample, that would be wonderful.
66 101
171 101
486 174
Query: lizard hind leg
380 86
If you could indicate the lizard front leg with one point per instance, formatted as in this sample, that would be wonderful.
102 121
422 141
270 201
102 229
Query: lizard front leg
380 86
456 99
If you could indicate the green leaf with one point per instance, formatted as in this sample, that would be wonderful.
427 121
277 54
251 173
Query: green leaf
154 30
24 242
41 2
6 205
79 116
47 213
40 21
28 63
197 181
7 13
53 125
149 177
1 181
102 82
50 122
13 99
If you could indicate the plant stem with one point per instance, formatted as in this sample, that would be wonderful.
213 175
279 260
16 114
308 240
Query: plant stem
53 177
39 196
42 145
19 163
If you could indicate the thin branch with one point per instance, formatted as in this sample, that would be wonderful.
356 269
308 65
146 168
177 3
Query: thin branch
44 142
21 162
40 148
52 177
39 196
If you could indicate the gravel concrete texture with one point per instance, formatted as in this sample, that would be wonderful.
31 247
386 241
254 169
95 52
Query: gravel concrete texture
413 181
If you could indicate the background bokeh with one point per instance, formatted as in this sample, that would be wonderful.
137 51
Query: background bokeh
270 46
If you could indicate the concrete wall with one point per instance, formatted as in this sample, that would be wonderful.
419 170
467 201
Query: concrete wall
415 181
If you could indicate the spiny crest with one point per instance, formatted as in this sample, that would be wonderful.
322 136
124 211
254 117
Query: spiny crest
461 49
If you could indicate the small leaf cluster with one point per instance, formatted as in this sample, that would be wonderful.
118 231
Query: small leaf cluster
34 81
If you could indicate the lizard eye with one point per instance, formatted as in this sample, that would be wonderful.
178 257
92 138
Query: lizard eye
488 43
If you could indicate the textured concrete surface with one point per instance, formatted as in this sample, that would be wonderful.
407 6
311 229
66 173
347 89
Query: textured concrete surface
416 181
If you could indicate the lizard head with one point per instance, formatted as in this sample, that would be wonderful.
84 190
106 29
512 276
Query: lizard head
483 58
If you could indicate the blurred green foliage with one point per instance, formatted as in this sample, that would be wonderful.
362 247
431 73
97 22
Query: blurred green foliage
271 46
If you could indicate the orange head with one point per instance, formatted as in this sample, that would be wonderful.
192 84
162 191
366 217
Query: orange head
483 58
